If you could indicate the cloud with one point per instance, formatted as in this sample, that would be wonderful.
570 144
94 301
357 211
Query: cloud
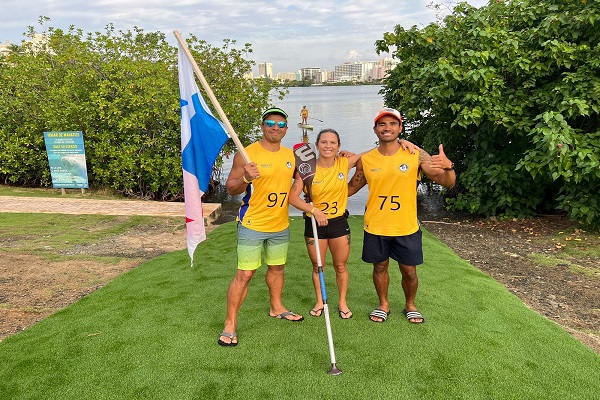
353 55
291 35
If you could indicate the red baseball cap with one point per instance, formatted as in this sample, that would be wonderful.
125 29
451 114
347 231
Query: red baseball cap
388 111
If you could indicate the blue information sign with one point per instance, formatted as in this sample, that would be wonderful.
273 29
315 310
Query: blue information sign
66 157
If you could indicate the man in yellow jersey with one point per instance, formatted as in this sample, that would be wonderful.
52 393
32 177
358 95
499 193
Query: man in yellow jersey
391 225
263 219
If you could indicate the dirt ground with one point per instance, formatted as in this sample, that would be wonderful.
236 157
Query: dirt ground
566 290
32 288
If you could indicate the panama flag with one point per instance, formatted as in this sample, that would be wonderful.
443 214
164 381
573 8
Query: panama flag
202 137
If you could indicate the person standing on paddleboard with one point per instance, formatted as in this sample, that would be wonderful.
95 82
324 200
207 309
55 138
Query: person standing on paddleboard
304 115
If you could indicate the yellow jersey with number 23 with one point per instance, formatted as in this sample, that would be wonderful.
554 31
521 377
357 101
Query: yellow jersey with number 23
330 188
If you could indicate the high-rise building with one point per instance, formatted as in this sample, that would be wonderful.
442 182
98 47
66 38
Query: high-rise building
312 74
363 71
286 76
349 71
381 68
265 70
37 44
5 48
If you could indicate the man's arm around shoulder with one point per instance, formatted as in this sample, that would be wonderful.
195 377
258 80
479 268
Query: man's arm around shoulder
358 180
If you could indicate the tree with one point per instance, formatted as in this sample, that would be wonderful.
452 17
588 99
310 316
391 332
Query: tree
512 90
120 89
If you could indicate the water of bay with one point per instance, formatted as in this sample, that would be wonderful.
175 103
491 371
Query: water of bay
349 110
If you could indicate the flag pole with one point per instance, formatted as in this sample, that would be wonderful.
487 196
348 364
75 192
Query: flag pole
212 97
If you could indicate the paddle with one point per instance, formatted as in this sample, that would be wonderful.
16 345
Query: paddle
306 165
316 119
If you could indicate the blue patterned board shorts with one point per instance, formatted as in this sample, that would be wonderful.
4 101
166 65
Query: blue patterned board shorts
251 244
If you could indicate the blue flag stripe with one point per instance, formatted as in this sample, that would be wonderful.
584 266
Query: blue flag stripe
207 139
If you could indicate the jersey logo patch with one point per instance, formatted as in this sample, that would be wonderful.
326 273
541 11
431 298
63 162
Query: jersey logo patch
403 168
341 175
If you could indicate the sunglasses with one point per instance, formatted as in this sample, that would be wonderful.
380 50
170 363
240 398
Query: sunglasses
270 123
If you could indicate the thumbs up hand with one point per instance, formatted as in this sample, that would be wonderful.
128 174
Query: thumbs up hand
441 161
441 148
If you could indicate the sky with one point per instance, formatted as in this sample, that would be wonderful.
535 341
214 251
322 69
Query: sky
289 34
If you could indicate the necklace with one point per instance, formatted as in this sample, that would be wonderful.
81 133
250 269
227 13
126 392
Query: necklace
324 172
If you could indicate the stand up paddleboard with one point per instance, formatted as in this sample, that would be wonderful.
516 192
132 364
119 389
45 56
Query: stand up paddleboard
304 126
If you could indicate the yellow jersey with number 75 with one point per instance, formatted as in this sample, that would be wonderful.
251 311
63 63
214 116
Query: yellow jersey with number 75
391 208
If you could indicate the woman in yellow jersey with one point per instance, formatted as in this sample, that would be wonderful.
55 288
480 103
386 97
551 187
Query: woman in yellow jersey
329 196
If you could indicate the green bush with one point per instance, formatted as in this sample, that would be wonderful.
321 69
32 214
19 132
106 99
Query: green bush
120 88
512 90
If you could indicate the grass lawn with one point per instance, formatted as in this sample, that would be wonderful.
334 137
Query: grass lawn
152 334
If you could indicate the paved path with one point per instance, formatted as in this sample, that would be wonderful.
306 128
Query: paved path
57 205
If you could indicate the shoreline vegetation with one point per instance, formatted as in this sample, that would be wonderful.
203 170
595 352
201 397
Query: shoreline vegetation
350 83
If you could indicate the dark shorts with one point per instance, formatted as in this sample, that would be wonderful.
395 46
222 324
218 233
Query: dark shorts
407 250
335 228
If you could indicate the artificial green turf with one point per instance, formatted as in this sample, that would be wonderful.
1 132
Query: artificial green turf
152 334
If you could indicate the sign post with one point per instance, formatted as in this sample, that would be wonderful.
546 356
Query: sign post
66 156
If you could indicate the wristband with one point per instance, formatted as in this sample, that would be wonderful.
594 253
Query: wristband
313 210
246 180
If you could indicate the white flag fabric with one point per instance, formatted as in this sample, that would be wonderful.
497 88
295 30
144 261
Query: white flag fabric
202 137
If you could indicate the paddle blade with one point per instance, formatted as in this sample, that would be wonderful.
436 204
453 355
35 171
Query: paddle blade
306 164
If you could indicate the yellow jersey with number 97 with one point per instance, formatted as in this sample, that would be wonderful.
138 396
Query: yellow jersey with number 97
392 203
265 206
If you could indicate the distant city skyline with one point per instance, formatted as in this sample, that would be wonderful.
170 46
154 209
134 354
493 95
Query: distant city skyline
355 71
257 67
